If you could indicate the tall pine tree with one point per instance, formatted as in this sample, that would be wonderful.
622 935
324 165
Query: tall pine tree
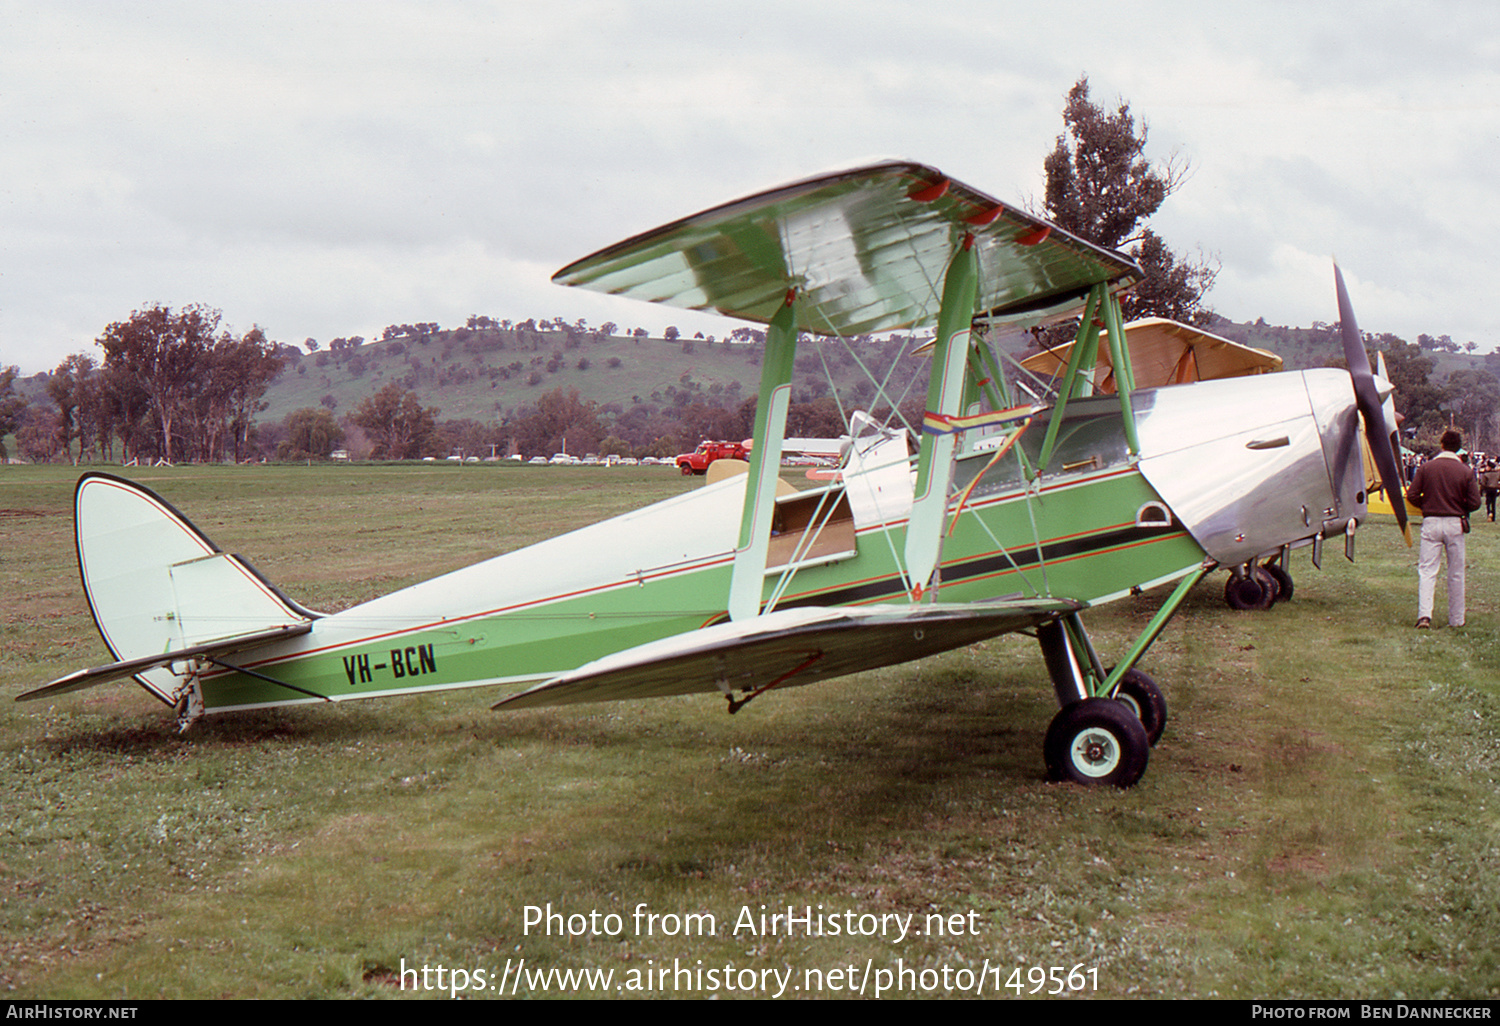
1101 187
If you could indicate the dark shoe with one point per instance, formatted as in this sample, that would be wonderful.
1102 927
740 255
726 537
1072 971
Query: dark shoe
1424 623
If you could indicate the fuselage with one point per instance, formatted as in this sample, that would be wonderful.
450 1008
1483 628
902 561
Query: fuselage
1228 470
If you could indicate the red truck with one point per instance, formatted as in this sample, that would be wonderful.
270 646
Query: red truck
697 461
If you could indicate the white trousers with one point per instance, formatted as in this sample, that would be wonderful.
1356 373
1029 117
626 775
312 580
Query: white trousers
1442 537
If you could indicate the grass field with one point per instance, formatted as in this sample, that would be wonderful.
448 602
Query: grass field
1320 819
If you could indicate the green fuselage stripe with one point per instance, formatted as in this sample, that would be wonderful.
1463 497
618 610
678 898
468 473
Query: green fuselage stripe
1093 550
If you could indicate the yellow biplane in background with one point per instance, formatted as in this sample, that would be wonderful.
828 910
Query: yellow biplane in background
1163 352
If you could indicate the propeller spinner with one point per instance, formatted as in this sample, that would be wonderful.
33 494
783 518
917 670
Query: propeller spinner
1380 434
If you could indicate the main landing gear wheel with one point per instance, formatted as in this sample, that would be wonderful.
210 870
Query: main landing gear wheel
1284 584
1139 693
1097 741
1254 590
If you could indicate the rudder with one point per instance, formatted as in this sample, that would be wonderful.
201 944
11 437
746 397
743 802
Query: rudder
155 583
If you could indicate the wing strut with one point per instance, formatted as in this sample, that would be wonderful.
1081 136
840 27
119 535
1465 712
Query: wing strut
1119 356
747 581
945 395
1101 321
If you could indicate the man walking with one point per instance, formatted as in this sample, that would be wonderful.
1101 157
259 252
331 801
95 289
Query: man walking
1489 483
1446 491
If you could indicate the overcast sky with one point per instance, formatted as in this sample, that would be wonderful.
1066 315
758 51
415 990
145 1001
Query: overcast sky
325 169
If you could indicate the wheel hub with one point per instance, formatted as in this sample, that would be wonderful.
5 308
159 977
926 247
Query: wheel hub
1095 753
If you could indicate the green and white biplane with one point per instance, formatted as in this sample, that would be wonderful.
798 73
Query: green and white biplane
998 513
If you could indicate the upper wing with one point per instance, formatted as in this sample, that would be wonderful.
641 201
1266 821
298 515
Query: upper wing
1166 352
866 250
787 648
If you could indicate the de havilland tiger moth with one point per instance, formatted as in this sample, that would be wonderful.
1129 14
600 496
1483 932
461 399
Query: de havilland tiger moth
1001 512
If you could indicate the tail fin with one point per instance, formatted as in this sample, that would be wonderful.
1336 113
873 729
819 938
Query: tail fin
156 584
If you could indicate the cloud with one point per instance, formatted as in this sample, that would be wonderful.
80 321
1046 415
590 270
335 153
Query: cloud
324 169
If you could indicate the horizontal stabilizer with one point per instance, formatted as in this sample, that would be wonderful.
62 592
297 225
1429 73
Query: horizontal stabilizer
787 648
94 676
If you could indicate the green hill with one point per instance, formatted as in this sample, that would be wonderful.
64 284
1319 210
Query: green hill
490 374
661 393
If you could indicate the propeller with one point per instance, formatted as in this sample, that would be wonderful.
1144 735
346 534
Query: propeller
1379 433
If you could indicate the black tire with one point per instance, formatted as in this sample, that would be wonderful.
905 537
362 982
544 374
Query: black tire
1284 584
1097 742
1255 590
1141 696
1270 583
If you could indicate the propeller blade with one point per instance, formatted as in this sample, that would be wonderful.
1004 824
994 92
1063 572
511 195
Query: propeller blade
1379 433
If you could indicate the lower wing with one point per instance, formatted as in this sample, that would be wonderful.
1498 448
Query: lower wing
786 648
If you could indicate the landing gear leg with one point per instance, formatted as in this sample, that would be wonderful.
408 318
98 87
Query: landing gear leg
1071 661
1088 741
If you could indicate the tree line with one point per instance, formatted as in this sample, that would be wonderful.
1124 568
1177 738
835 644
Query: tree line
171 385
393 424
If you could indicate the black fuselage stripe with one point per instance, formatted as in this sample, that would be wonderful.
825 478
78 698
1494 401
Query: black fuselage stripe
992 563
